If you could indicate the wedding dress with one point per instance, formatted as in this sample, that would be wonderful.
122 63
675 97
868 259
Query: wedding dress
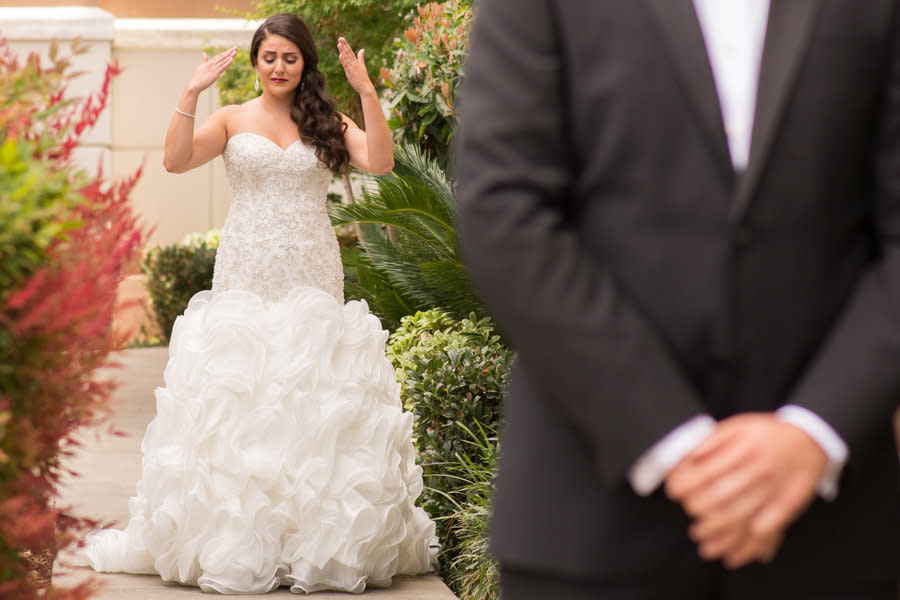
279 454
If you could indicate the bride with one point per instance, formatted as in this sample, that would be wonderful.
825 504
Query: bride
279 454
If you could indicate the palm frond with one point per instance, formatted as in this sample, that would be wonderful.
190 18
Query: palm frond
407 258
363 281
411 161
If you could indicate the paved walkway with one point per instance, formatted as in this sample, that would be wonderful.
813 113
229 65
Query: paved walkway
109 467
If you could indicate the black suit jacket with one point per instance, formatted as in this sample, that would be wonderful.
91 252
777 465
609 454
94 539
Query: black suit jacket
644 282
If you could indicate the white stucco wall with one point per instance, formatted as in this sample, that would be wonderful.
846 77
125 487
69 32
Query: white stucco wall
158 57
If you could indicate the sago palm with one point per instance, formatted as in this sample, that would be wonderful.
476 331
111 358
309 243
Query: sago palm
407 258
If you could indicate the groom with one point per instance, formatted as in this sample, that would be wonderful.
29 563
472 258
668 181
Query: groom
685 214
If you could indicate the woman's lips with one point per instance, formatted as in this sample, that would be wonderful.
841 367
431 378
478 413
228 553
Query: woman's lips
278 80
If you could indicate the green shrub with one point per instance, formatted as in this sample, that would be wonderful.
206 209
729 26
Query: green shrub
453 375
414 330
425 75
175 272
472 573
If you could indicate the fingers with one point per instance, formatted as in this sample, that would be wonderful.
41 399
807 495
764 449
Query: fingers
729 515
740 486
225 58
354 67
728 531
722 543
754 549
764 533
719 455
745 485
210 69
793 498
347 56
345 52
222 61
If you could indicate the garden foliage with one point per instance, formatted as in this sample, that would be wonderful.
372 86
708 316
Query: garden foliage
453 375
425 75
175 272
65 236
471 572
407 257
365 24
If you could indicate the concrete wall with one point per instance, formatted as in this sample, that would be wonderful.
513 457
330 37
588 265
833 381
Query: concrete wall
158 57
154 8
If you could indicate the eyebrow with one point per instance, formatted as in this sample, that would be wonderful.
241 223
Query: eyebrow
276 52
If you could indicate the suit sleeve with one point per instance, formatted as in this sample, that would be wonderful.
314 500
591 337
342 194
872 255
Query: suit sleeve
587 349
854 381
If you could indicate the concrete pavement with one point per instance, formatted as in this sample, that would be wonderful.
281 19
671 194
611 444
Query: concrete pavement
109 467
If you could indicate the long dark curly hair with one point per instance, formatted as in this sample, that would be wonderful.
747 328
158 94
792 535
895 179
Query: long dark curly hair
313 110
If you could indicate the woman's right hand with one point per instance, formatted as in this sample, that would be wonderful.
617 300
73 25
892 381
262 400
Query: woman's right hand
210 69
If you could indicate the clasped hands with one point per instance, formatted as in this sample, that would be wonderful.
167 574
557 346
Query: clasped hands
744 485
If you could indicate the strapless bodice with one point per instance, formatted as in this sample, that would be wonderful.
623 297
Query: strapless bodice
277 235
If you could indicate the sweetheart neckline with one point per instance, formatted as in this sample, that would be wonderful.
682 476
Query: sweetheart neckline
268 139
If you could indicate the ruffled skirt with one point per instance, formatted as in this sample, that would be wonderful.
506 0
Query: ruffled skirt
279 454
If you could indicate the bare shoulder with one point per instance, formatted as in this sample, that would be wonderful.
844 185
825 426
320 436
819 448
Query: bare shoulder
352 127
240 117
228 116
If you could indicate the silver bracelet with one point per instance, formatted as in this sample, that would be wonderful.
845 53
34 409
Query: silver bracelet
184 114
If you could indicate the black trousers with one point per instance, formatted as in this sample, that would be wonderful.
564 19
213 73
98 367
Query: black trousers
518 584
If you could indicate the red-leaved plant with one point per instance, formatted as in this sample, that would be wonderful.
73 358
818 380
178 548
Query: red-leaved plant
65 236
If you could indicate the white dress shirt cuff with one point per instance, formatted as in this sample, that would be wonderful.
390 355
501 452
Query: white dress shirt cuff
651 468
827 438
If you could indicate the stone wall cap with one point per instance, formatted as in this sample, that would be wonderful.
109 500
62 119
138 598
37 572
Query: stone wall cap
33 23
183 33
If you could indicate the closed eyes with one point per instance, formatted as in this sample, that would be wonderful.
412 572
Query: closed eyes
288 58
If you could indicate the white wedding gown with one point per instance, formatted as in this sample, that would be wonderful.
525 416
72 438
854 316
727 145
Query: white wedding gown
279 454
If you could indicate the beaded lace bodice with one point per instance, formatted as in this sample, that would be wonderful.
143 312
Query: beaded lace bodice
277 235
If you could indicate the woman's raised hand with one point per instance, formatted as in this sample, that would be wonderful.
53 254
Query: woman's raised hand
210 69
355 68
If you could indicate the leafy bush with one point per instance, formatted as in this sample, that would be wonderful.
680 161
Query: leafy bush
407 258
453 374
413 331
426 72
175 272
65 237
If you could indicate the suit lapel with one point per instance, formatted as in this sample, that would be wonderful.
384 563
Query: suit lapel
788 32
680 28
787 38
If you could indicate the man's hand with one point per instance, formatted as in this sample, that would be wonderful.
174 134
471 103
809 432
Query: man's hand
745 484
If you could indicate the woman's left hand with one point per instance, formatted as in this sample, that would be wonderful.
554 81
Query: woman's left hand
355 68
